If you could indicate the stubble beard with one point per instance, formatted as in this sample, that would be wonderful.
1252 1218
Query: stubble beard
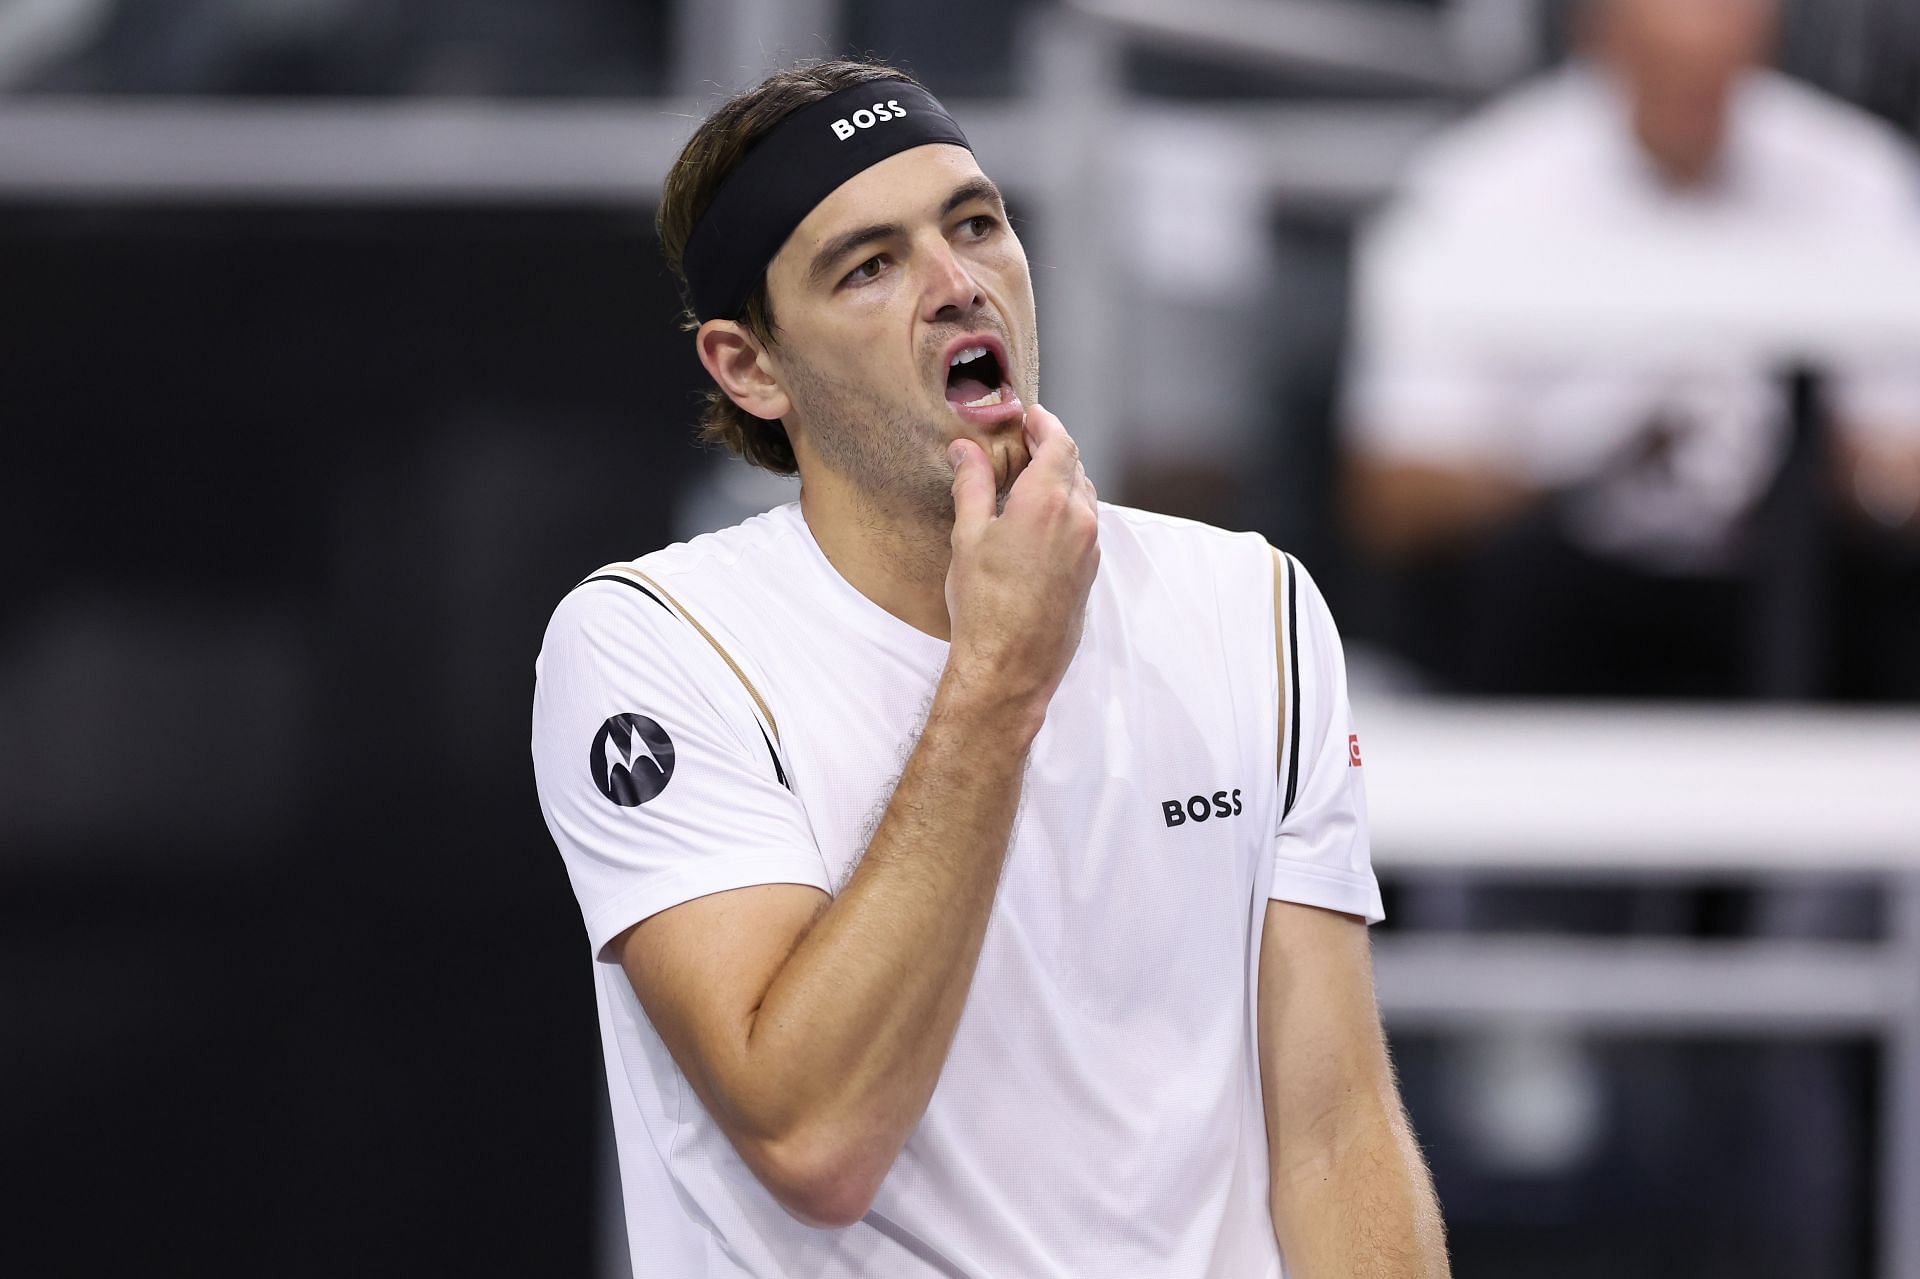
875 443
889 455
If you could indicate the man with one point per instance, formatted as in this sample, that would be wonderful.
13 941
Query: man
977 874
1602 503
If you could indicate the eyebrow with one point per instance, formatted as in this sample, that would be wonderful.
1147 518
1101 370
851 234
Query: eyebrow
980 188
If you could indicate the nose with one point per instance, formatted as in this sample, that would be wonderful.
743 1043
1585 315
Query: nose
950 290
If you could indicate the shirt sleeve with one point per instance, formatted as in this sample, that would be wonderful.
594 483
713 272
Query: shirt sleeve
1322 855
655 777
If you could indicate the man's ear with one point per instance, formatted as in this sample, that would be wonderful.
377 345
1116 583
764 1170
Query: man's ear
739 362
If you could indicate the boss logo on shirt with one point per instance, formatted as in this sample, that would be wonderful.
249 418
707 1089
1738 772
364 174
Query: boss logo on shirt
631 760
1201 808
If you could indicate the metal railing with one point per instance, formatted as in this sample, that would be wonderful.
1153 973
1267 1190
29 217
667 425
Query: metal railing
1665 794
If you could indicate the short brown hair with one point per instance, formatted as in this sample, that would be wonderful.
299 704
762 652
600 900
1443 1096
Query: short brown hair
713 152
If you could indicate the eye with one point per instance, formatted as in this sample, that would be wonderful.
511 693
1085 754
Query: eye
868 270
982 225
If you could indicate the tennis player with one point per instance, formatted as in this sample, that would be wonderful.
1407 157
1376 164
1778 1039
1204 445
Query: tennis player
976 873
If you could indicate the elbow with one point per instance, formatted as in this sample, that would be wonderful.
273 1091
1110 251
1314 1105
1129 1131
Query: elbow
826 1204
817 1183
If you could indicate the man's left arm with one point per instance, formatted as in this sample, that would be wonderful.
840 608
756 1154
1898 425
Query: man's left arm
1351 1196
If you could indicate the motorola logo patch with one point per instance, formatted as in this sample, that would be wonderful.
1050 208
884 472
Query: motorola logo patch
631 760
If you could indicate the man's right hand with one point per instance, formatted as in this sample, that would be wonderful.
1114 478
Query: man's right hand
1017 587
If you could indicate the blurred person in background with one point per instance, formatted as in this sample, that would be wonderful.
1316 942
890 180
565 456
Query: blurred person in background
1565 507
1579 526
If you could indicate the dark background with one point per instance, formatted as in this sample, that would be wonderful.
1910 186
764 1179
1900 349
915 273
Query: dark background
304 989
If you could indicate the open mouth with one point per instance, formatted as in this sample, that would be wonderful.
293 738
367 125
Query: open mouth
975 379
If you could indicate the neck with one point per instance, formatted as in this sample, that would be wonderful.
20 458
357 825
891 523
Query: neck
1684 173
895 557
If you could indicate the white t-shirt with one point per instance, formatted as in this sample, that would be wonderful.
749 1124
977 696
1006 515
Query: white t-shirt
1546 204
1100 1110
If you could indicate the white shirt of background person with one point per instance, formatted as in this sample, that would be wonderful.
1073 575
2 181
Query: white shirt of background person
1601 196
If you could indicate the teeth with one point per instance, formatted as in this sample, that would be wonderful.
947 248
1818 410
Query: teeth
971 353
990 398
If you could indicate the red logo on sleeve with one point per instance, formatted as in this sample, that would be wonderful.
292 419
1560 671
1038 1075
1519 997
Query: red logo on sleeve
1353 750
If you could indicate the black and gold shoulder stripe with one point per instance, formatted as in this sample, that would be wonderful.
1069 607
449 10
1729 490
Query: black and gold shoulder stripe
627 575
1292 683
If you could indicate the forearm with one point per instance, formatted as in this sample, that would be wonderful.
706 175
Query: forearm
1878 475
1352 1197
852 1033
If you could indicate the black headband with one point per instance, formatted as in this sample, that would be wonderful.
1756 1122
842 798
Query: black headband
799 163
